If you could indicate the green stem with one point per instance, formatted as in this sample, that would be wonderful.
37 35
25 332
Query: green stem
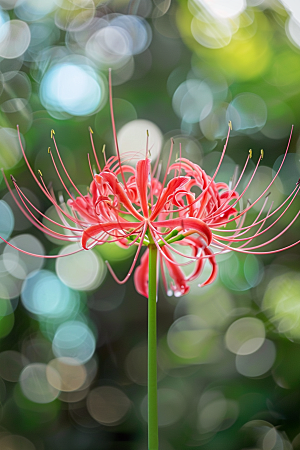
152 351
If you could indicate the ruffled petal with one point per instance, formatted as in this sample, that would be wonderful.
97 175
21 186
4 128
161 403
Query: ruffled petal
118 190
85 208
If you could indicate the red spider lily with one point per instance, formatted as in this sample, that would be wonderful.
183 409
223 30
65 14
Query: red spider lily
130 206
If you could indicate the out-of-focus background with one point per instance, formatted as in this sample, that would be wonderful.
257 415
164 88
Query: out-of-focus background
73 342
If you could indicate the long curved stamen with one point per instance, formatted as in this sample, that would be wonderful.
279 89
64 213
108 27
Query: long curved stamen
35 221
214 214
249 238
62 216
94 150
258 231
255 222
57 206
134 241
213 177
133 263
114 128
90 165
60 178
267 242
269 252
40 256
63 166
28 165
22 209
115 167
218 166
164 255
270 184
30 216
274 238
266 229
41 186
248 227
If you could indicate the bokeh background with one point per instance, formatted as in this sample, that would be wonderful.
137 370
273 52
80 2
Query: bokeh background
73 342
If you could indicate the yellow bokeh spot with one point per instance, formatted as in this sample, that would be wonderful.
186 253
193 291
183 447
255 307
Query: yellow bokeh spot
246 54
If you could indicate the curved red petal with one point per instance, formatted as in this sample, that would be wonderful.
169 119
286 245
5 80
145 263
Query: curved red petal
170 189
141 275
94 230
191 224
195 244
213 263
176 274
142 175
117 189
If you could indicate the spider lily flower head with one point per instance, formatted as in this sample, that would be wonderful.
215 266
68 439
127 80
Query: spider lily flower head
134 207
